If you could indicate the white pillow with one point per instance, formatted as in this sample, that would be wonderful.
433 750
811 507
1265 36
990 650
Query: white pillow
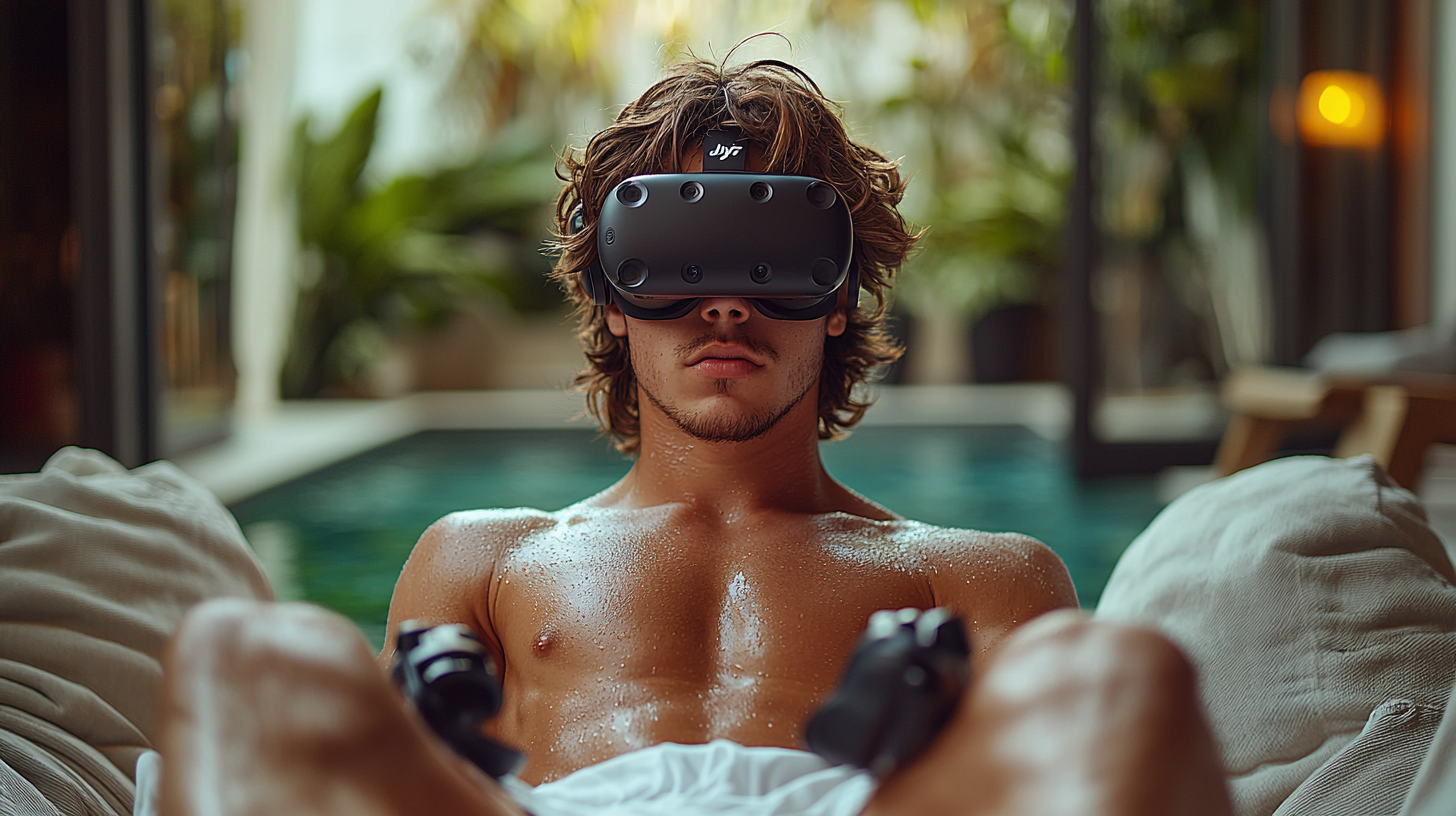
1370 776
98 564
1308 592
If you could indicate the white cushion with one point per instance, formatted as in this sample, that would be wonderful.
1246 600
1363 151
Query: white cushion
20 798
1308 592
1433 792
98 564
1370 775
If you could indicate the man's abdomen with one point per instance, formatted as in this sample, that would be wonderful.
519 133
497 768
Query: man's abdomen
563 730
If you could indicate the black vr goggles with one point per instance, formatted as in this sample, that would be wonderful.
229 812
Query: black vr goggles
666 241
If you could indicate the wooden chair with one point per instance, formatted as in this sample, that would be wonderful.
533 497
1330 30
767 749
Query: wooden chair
1392 416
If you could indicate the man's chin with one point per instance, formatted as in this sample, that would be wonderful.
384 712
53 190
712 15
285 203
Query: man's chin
724 430
723 418
727 410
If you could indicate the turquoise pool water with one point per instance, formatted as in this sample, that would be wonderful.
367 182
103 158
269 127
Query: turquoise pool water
353 524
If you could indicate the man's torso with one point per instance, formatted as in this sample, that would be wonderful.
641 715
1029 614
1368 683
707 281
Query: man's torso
619 629
683 628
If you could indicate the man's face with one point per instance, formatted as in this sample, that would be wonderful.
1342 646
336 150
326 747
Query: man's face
724 372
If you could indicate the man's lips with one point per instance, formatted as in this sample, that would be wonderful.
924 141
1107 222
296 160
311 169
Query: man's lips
722 367
718 360
725 351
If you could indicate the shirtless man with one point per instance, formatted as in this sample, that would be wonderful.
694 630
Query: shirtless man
717 590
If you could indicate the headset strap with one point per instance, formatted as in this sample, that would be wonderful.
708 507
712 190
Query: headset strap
722 150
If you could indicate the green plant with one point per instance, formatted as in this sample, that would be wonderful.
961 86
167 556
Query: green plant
406 254
1180 79
981 118
1178 129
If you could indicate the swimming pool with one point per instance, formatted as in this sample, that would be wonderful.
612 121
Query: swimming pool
352 525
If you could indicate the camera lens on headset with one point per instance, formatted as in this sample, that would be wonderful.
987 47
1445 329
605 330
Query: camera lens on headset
632 272
760 273
692 191
631 193
692 273
821 195
824 272
760 191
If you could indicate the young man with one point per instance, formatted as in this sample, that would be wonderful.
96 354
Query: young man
717 590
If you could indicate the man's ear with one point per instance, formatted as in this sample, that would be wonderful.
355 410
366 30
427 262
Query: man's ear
836 324
617 322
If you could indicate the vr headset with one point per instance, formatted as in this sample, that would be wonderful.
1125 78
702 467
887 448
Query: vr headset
666 241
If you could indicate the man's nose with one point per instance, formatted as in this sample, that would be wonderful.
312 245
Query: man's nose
724 309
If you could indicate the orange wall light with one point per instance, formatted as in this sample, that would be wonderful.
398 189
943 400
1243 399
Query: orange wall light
1341 109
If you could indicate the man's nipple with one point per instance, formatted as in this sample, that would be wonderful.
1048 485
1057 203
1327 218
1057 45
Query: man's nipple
545 642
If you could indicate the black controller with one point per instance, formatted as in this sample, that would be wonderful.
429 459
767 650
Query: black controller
903 683
452 681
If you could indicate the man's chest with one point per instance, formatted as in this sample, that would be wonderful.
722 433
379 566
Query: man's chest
694 605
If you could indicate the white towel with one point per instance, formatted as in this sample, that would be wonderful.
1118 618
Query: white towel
720 778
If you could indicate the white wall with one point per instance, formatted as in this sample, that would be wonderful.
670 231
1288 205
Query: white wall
265 254
346 47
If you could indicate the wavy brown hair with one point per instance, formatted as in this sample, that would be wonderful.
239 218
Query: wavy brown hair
797 131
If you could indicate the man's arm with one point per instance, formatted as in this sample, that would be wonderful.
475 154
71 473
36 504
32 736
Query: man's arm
449 577
997 582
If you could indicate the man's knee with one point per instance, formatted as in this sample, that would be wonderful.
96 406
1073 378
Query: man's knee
300 667
1070 716
236 632
1120 703
1068 653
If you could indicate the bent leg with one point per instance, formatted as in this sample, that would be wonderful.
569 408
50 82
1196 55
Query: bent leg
280 708
1070 718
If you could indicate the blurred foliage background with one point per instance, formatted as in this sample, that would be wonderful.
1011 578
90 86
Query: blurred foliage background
381 259
1182 289
973 94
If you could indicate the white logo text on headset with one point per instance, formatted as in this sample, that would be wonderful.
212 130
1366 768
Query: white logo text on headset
723 151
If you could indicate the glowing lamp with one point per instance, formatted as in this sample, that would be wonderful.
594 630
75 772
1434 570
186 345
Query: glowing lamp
1341 109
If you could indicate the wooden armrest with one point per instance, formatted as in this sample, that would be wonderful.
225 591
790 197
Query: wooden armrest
1394 416
1290 395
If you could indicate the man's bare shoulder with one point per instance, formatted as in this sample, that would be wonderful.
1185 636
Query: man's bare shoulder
997 581
954 546
467 531
448 573
930 543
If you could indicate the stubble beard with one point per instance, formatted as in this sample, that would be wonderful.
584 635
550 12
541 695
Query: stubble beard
719 425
